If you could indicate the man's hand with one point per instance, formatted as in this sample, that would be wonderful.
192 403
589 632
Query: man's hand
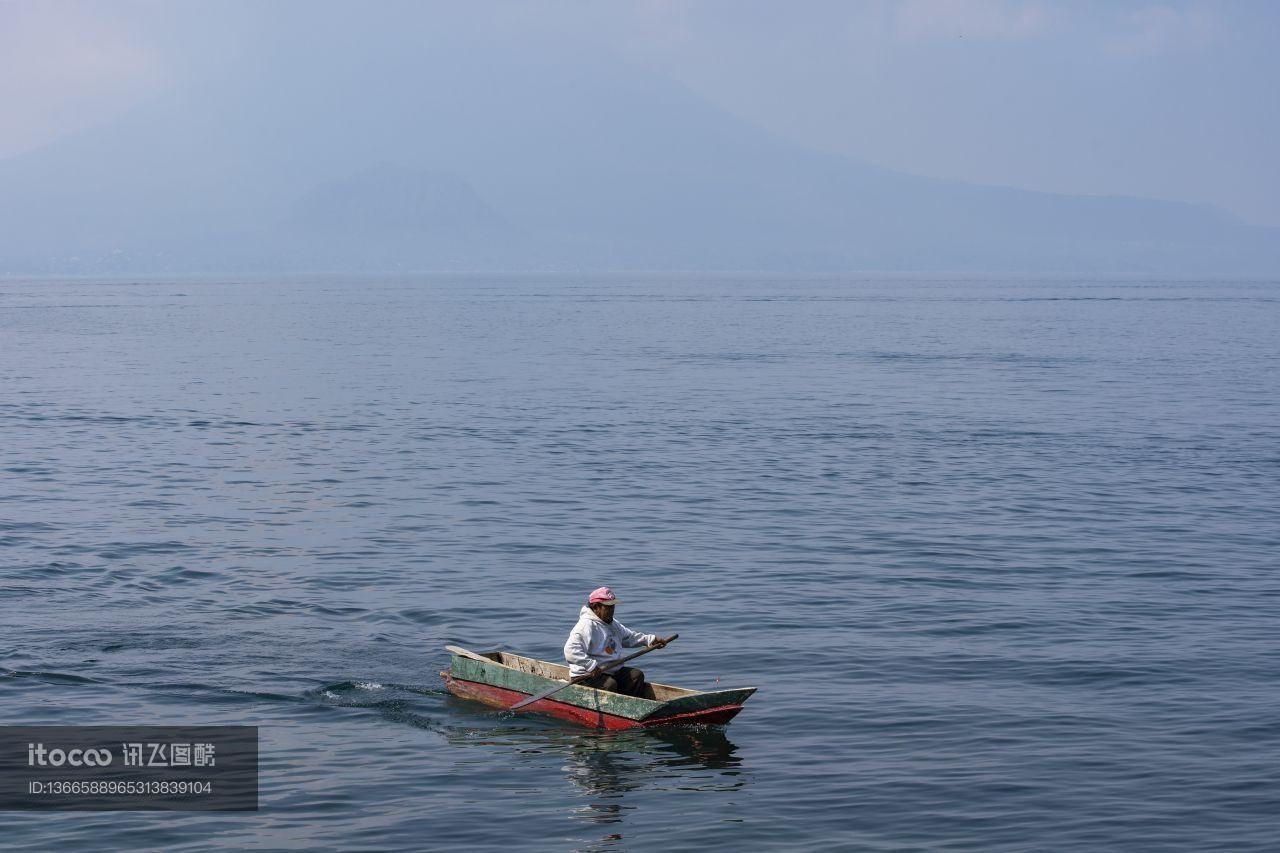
658 644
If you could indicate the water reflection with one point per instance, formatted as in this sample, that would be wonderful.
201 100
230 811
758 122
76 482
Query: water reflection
605 769
606 765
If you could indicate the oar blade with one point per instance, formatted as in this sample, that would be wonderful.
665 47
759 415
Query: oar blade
543 695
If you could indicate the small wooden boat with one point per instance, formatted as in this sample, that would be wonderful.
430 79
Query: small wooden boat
502 679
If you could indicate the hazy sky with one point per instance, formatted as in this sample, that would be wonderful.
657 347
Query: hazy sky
1173 100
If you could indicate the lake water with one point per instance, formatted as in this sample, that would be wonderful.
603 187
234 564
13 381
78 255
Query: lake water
1001 556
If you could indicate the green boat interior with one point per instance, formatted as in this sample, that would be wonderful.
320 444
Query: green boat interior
560 672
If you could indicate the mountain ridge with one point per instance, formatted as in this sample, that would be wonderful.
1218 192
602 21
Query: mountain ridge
589 164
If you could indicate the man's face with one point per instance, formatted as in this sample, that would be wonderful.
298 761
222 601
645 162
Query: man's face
604 611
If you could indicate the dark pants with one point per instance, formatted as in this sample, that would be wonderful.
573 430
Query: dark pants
625 679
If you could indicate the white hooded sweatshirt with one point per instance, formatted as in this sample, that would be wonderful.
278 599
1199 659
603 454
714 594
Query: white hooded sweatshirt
594 645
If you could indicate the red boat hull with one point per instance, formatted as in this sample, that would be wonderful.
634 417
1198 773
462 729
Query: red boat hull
500 697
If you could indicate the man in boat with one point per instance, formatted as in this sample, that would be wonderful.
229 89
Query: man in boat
597 641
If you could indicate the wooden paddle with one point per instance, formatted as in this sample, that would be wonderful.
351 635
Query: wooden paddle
544 694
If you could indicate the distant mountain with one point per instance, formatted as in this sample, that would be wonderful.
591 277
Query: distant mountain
306 158
388 217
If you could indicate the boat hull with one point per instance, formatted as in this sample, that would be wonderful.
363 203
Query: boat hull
502 680
501 697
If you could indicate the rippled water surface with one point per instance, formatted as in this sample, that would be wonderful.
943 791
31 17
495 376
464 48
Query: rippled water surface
1000 555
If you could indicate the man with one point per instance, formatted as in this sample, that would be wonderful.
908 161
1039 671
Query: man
596 643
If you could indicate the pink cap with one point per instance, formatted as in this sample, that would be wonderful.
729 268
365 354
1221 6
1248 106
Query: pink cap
603 595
